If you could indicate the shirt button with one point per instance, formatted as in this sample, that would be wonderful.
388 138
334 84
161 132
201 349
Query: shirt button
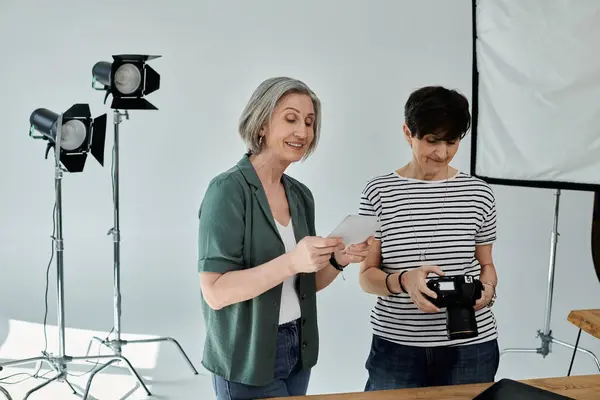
303 296
304 345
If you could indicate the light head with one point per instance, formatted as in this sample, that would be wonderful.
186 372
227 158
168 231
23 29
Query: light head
79 134
128 79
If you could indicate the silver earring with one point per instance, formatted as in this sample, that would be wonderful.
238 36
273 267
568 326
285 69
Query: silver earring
260 140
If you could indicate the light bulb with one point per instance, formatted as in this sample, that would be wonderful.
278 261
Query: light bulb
72 135
127 78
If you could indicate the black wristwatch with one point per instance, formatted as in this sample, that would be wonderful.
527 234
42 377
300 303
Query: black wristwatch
335 264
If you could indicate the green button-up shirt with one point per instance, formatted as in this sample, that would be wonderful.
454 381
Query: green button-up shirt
238 231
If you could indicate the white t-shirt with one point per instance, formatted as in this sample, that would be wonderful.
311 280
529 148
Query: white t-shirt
290 304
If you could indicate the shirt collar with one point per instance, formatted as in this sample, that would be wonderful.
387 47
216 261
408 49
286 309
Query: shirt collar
248 171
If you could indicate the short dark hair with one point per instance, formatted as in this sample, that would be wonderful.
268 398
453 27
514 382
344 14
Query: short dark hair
439 111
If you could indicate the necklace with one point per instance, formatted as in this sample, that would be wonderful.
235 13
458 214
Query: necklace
422 254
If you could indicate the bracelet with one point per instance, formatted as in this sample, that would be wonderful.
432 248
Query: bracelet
400 281
388 286
493 299
335 264
493 287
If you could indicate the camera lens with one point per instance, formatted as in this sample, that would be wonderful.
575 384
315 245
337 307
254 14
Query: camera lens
461 322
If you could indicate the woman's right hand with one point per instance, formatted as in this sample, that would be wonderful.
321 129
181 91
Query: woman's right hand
312 253
416 286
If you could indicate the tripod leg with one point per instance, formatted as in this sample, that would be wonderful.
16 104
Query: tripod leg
42 385
71 386
121 358
95 338
5 393
574 352
93 374
134 373
518 350
168 339
26 361
580 349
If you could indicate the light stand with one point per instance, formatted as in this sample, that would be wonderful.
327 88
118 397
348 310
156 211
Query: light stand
128 79
5 393
546 334
116 344
59 363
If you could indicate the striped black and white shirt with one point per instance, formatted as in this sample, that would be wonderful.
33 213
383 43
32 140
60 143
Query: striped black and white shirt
443 219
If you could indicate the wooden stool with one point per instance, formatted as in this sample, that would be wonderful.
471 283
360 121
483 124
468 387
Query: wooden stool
585 320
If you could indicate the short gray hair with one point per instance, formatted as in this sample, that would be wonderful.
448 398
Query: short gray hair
262 103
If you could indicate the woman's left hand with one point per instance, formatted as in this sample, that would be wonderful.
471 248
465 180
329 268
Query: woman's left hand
355 253
486 297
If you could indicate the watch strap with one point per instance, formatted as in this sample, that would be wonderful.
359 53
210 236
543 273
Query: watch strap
335 264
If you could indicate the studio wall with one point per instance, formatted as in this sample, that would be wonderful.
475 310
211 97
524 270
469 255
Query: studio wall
361 58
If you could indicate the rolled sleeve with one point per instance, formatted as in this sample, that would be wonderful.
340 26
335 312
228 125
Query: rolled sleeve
221 227
487 232
368 208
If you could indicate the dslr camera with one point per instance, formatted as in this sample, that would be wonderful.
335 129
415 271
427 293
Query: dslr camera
457 294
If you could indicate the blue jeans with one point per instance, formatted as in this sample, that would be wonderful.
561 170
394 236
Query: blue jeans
289 379
395 366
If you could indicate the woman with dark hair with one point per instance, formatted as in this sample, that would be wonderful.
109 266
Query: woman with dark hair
434 219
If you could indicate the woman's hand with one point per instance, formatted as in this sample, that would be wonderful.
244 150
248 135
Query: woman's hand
355 253
415 285
486 297
312 253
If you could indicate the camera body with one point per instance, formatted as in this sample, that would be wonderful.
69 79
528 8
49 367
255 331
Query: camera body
457 294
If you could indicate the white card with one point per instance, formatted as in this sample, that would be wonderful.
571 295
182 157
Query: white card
356 229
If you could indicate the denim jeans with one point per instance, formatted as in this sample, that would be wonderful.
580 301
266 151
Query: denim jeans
289 379
395 366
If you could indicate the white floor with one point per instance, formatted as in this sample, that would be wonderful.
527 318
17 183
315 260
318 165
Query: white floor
112 383
160 365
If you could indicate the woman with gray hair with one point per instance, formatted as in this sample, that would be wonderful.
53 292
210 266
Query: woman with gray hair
260 260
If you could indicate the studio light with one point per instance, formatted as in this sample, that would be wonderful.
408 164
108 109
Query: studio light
80 134
128 79
72 134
